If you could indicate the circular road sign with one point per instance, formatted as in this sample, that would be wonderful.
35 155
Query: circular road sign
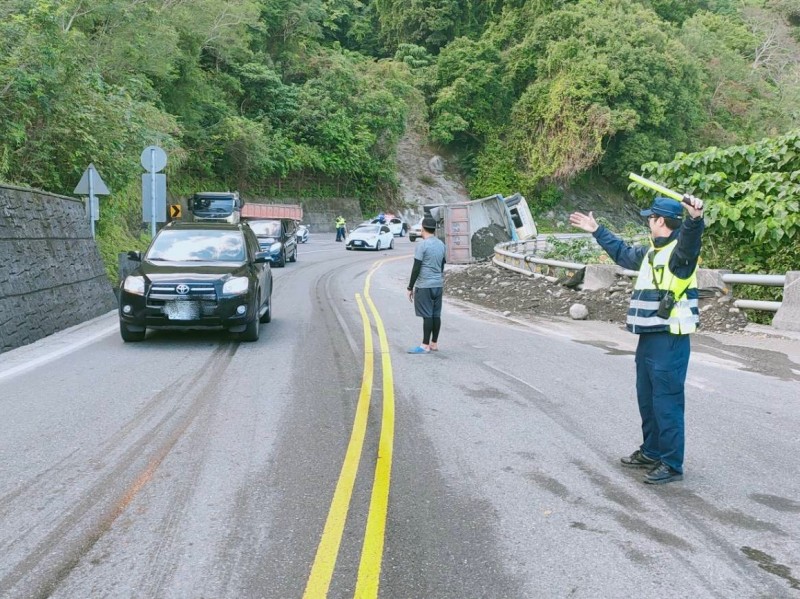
154 159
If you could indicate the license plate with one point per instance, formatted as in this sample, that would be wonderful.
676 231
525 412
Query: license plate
358 243
182 310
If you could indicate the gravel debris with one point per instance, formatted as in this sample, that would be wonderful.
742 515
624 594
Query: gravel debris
514 294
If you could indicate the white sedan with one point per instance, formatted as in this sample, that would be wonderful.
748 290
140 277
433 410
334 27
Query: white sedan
374 237
396 225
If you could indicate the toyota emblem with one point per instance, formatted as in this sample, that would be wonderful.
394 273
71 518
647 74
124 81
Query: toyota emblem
182 289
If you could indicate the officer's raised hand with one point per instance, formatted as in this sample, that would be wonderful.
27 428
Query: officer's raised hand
584 221
694 206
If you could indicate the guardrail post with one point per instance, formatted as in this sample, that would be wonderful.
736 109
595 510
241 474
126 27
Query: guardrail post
599 276
788 315
708 278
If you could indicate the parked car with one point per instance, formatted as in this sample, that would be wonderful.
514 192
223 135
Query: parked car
396 225
302 233
415 231
278 236
370 236
198 276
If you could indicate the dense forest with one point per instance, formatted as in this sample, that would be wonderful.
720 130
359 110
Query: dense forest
309 97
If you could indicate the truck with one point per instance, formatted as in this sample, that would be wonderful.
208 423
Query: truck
275 226
470 230
257 211
216 206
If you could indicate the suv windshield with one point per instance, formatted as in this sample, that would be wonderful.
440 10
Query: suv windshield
265 228
197 246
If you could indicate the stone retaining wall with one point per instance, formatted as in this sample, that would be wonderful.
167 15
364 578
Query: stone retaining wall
51 273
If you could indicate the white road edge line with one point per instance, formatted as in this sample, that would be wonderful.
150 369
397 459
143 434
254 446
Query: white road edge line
49 357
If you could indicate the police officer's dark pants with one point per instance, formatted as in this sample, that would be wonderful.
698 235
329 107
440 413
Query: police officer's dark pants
661 363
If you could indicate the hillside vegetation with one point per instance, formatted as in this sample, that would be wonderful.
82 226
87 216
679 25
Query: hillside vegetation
310 97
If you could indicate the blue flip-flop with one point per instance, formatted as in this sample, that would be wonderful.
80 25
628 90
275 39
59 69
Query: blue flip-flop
418 350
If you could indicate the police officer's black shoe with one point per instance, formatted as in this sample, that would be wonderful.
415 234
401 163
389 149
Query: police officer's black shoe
662 474
638 460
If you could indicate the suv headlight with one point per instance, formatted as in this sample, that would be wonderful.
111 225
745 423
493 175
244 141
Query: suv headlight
134 285
235 286
275 247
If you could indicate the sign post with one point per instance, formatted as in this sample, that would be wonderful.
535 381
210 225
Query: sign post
92 185
154 187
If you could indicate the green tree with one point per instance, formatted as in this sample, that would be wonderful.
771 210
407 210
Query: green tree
751 193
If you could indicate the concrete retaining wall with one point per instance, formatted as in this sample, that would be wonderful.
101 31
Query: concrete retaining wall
51 273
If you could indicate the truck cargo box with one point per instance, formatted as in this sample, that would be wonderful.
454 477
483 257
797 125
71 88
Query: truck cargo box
470 230
253 210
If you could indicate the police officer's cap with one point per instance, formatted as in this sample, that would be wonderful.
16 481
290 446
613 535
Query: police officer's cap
664 207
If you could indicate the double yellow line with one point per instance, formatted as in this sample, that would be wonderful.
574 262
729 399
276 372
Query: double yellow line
369 569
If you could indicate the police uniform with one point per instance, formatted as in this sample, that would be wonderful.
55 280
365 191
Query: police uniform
340 232
668 265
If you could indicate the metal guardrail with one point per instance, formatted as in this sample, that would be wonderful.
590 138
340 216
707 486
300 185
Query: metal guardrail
519 257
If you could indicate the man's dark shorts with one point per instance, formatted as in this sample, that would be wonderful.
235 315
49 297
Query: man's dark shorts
428 302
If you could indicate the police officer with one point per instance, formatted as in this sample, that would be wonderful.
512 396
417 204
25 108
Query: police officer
340 231
663 311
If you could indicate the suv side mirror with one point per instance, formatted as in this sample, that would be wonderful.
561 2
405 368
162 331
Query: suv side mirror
135 256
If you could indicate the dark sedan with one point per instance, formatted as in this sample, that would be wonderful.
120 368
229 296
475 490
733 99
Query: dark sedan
198 276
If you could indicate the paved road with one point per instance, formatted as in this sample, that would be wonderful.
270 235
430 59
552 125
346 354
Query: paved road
323 457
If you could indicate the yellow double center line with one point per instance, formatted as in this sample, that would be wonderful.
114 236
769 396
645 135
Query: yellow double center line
369 569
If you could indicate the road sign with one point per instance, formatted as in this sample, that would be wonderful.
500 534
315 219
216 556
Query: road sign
154 203
91 184
153 159
151 183
174 211
93 208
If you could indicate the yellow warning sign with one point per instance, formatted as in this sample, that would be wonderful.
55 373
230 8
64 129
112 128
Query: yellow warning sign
174 211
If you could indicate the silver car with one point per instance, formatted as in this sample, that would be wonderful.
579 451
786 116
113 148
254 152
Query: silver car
415 231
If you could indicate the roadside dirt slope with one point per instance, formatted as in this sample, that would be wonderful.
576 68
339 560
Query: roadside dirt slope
515 294
424 176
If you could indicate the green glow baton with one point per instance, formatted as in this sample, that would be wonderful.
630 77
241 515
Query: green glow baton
657 187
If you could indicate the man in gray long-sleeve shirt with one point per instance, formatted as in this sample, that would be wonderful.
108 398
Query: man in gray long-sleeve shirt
663 312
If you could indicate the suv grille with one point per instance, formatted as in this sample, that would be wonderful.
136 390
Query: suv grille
192 301
180 291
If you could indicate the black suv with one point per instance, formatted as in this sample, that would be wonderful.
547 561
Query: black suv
198 276
277 237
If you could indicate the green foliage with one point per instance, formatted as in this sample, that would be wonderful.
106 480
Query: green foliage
120 228
607 77
240 94
497 172
298 96
753 201
571 86
414 56
549 198
583 250
744 104
432 23
677 11
468 101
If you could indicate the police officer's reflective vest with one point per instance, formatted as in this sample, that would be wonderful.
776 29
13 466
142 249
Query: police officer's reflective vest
340 222
654 280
